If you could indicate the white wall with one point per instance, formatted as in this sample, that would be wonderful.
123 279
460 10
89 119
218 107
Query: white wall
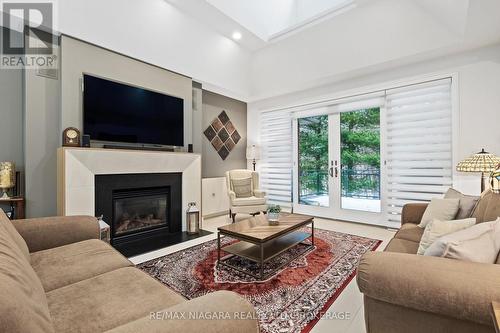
478 74
154 31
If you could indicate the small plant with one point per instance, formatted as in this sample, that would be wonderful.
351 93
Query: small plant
274 209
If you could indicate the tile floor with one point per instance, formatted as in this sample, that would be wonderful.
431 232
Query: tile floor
350 301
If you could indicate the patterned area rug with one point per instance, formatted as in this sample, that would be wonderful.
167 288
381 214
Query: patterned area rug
292 300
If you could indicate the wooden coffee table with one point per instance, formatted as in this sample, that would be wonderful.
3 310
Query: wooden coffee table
260 241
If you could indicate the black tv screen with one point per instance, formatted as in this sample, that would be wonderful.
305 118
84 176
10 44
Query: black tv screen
117 112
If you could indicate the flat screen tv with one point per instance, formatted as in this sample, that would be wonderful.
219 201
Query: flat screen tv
116 112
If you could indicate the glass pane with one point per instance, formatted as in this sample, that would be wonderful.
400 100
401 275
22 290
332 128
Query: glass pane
313 161
360 155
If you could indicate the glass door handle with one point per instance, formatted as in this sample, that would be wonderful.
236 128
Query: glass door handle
336 172
331 172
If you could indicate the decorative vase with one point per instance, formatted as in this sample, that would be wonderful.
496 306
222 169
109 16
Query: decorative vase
273 217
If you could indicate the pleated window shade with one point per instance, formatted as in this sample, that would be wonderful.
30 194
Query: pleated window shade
419 144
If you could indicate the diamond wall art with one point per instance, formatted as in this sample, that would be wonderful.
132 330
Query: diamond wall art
223 135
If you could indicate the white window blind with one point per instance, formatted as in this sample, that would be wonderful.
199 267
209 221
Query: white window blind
419 144
276 156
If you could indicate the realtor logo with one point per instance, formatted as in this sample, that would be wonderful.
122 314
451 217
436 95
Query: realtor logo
27 37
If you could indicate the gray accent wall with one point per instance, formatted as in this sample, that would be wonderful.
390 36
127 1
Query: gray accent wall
11 117
213 105
79 57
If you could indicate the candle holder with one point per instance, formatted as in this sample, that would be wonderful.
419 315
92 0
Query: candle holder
7 178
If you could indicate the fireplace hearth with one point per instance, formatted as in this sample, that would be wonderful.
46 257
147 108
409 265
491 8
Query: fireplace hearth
144 210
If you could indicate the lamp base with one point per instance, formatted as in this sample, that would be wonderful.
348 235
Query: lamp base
485 184
5 195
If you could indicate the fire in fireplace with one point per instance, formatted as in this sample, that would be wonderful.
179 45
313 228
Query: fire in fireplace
140 209
144 210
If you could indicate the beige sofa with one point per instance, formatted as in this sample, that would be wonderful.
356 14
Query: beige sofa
56 276
409 293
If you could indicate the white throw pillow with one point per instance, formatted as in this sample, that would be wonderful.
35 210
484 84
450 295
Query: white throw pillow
438 248
437 228
481 249
440 209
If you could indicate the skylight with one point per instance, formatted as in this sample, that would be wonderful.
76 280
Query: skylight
270 19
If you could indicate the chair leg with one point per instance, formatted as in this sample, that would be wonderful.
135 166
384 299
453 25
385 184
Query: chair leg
233 217
230 213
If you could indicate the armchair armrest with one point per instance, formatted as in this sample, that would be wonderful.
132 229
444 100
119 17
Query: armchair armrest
232 195
259 193
49 232
229 313
412 213
453 288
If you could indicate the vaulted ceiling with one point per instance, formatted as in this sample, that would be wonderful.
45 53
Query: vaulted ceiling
294 43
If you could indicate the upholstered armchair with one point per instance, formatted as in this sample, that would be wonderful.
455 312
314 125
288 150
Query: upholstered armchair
244 193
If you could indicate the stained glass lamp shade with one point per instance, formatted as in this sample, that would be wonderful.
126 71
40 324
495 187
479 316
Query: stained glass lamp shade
483 162
495 180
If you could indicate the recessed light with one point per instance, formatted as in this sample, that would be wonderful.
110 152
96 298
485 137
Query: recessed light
237 35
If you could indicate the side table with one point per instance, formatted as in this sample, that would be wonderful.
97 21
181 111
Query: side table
17 204
495 313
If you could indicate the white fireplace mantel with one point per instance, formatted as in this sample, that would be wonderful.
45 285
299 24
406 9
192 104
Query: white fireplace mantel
77 168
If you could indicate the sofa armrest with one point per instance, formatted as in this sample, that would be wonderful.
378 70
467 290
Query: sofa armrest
49 232
228 311
232 195
259 193
412 213
448 287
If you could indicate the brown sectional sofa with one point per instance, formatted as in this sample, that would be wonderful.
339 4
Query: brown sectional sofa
405 292
56 276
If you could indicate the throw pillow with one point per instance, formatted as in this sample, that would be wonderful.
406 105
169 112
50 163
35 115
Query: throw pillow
438 228
466 205
481 249
439 247
440 209
242 187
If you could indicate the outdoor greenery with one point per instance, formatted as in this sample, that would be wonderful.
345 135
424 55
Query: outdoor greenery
360 153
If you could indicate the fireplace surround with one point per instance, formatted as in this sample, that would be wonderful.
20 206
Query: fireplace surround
144 210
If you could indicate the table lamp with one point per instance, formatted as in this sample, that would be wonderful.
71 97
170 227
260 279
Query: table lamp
253 153
495 180
7 178
483 162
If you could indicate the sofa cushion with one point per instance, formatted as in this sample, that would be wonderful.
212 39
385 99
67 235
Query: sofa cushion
468 238
108 301
466 205
411 232
438 228
482 205
492 211
251 201
402 246
14 235
64 265
440 209
23 305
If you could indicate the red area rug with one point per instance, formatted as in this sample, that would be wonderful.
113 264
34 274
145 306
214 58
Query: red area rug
292 300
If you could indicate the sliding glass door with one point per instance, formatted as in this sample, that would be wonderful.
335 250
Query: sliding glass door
337 169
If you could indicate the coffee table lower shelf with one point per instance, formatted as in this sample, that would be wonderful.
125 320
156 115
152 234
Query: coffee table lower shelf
262 253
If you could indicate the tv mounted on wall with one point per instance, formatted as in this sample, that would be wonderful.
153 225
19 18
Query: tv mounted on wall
117 112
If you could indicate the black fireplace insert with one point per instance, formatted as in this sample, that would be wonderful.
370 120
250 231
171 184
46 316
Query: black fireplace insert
144 211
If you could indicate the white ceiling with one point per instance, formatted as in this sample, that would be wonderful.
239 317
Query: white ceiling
294 44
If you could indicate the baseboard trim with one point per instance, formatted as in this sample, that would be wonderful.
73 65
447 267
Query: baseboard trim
209 216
